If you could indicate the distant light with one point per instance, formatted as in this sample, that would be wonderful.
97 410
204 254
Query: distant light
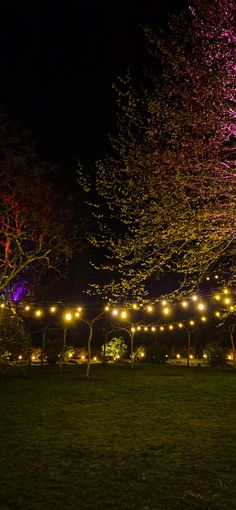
191 323
95 358
138 328
82 357
153 328
79 309
164 302
180 325
33 357
166 311
107 308
149 308
27 308
226 291
135 306
231 308
142 354
53 309
227 301
203 319
216 276
194 298
230 357
2 305
205 356
171 327
166 355
133 329
217 314
70 355
145 328
161 328
38 313
20 357
68 316
184 304
178 356
201 306
208 278
77 314
217 297
191 356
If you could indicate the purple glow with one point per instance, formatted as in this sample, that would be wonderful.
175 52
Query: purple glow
19 292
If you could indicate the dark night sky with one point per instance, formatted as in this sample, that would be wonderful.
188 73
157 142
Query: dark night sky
58 63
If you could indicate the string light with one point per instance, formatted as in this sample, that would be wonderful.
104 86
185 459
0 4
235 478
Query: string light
38 313
203 319
149 308
184 304
115 312
52 309
201 306
123 314
194 298
191 323
166 311
180 325
68 316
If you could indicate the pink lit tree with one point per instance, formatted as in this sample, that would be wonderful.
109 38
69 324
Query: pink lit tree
169 182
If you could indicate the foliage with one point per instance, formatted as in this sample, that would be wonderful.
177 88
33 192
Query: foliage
116 348
36 231
14 336
216 354
169 181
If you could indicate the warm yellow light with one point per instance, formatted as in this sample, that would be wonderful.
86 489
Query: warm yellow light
201 306
216 276
77 314
208 278
142 354
171 327
153 328
38 313
52 309
217 297
230 357
217 314
70 355
166 311
107 308
194 298
123 314
2 305
135 307
20 357
118 356
203 319
161 328
178 356
138 328
95 358
133 329
231 308
33 357
82 357
191 356
27 308
226 291
227 301
164 302
180 325
79 309
145 328
184 304
191 323
205 356
68 316
115 312
149 308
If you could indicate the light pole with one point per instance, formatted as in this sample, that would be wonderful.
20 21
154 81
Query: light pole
67 319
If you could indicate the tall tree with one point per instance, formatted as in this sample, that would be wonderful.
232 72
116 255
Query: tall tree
36 233
169 181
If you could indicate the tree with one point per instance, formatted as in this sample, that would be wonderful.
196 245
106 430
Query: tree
36 233
14 336
116 348
169 182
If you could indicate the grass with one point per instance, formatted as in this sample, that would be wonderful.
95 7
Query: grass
155 438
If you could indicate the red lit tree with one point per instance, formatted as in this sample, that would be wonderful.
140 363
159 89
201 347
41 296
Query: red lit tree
35 228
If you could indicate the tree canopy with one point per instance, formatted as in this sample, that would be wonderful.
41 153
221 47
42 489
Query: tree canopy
168 185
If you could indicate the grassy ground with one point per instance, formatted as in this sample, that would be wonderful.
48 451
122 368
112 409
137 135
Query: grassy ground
155 438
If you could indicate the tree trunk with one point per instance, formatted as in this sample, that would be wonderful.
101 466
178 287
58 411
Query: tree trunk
43 345
189 347
89 350
231 334
132 348
63 350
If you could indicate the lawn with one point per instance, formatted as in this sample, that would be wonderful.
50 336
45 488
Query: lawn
152 438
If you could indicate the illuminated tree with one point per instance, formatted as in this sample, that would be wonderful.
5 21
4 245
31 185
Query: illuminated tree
169 182
35 229
14 336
